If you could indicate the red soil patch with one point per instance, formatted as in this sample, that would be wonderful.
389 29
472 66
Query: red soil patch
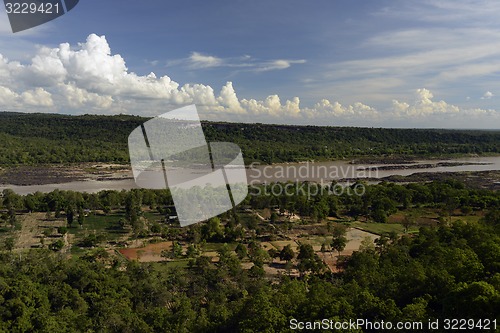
150 252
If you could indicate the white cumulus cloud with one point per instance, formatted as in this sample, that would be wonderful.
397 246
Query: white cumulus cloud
89 78
77 97
423 105
487 95
37 97
229 100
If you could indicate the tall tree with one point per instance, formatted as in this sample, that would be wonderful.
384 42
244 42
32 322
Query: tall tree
81 217
287 253
339 239
70 216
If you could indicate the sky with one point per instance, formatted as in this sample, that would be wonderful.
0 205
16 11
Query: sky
417 64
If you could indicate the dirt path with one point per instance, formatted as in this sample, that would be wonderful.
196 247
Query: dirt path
29 230
260 216
32 226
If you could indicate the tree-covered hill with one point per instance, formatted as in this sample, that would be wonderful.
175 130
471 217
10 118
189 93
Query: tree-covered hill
50 138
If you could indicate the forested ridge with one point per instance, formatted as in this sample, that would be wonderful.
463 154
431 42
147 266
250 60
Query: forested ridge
52 138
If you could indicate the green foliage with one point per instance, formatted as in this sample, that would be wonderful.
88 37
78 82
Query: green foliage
50 138
287 253
9 243
155 228
367 244
69 216
90 240
176 252
192 251
379 202
57 245
282 143
439 273
241 251
81 217
212 231
308 260
339 242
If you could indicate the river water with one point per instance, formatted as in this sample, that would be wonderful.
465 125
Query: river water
325 171
312 171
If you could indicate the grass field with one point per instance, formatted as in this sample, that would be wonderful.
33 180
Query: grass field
100 224
214 247
279 245
77 251
182 263
315 240
466 219
153 216
382 228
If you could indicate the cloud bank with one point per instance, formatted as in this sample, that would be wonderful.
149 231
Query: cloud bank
89 78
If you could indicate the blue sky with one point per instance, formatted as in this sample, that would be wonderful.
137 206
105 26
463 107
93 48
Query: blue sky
358 63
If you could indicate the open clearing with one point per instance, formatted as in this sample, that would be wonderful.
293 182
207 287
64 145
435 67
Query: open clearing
39 229
382 228
148 253
33 226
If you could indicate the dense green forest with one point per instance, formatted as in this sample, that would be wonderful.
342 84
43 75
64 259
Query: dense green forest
305 199
51 138
451 270
447 272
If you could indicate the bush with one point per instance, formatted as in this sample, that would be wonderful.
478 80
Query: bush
57 245
90 241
